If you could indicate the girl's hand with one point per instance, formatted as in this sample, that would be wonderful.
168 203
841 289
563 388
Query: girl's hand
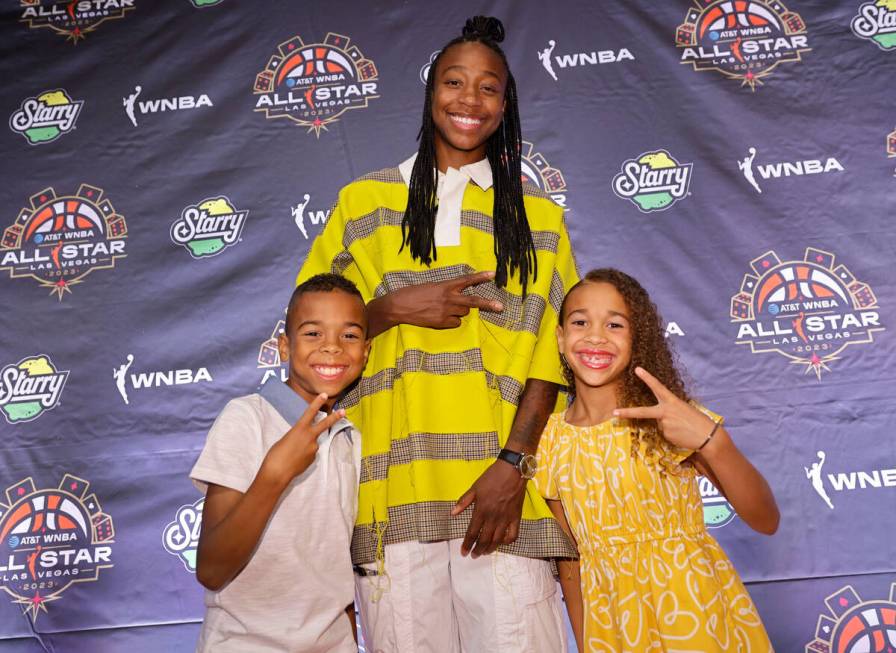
681 423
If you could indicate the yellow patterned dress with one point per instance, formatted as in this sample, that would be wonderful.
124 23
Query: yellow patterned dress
653 579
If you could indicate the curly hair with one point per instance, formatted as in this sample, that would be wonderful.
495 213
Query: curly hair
650 350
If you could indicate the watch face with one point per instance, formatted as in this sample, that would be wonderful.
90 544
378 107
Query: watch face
528 466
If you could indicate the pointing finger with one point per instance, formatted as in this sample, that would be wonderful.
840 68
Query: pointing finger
472 301
473 279
313 409
641 412
658 389
327 422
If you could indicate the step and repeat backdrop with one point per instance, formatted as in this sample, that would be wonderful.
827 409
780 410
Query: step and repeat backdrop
167 165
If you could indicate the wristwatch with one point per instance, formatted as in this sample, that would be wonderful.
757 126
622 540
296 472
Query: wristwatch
524 462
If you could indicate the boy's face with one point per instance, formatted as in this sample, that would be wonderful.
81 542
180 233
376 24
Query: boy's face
326 345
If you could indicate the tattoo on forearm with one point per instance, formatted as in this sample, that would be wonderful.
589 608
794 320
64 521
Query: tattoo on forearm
536 403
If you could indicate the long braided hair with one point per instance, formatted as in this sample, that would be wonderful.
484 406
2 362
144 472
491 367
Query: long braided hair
514 247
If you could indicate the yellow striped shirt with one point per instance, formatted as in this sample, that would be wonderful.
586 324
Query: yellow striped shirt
435 406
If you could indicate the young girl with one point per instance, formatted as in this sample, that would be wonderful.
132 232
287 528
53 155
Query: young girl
619 469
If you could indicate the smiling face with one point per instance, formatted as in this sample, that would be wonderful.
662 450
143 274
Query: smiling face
325 345
467 102
596 335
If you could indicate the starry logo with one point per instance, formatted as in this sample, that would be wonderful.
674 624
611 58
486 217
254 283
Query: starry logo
717 512
74 19
876 22
181 536
59 239
45 118
30 388
808 311
743 40
852 625
50 539
653 181
537 171
313 85
201 4
209 227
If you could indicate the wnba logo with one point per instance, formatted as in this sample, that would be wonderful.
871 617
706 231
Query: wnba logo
50 539
808 311
743 40
856 626
313 85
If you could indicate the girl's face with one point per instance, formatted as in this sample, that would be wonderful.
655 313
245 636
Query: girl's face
467 103
596 335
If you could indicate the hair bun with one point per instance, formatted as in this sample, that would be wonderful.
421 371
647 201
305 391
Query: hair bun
484 27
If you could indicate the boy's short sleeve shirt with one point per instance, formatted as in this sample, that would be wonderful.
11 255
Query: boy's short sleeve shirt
292 594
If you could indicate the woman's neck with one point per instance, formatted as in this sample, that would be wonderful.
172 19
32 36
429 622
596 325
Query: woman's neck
592 405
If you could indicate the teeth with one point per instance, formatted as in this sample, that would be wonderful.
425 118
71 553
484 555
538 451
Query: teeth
466 121
596 361
328 371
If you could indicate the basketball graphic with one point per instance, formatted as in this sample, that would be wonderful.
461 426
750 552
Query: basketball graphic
320 60
62 217
855 626
46 511
868 628
536 170
740 13
793 283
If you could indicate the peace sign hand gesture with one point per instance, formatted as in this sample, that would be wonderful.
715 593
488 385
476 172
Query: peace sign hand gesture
682 424
296 450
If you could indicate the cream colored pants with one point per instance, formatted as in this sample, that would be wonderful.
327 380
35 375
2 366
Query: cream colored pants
433 600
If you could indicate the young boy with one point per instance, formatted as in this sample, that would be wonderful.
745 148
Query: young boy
280 470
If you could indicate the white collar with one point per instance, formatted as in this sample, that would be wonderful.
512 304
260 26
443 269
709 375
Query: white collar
480 172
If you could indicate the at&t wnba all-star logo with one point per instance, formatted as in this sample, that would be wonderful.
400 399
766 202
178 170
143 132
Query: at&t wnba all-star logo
853 625
60 239
313 85
209 227
653 181
808 311
537 171
45 118
876 22
269 355
29 388
73 19
181 536
742 39
50 539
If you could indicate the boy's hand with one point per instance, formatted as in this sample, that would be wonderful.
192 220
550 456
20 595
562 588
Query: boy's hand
296 450
681 423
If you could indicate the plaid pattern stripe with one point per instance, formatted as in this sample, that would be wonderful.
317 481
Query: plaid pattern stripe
430 446
432 522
